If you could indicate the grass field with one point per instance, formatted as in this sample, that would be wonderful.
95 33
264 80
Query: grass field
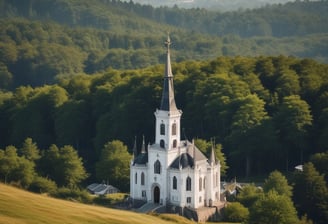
21 207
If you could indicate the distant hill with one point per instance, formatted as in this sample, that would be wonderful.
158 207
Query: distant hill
43 39
222 5
18 206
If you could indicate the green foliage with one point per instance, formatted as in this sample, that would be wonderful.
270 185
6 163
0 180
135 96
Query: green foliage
14 168
311 194
126 36
206 148
273 208
293 120
320 161
63 165
277 182
42 185
29 150
109 199
235 212
114 165
238 101
73 194
249 194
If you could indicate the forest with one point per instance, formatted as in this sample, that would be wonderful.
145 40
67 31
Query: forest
79 80
41 41
241 102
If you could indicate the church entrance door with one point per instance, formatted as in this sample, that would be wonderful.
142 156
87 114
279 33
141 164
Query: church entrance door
156 195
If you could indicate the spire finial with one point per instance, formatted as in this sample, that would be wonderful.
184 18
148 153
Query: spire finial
135 147
143 147
212 156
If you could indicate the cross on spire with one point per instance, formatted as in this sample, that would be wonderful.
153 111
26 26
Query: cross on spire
168 42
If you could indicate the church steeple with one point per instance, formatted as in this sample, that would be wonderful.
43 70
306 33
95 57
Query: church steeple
168 101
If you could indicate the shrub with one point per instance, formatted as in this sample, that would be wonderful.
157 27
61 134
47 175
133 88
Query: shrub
73 194
236 212
43 185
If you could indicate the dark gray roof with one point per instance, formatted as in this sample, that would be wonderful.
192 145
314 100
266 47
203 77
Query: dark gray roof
168 101
142 158
183 161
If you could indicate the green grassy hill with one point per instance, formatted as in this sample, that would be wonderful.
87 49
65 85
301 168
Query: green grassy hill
18 206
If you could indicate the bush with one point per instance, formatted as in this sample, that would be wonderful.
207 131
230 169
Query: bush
236 212
73 194
42 185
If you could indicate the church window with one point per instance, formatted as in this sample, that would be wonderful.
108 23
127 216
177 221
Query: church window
204 185
162 143
174 143
157 167
200 184
162 131
174 129
143 193
136 178
142 178
188 184
175 183
189 200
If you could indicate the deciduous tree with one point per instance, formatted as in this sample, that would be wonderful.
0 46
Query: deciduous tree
113 165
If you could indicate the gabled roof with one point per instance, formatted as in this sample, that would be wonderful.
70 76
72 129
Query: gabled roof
188 158
183 161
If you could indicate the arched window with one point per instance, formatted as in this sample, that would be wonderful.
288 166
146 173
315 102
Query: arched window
157 167
174 129
174 143
188 184
162 143
162 131
142 178
204 185
200 184
175 183
136 178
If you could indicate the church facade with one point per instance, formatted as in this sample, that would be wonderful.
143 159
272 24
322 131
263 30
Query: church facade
173 171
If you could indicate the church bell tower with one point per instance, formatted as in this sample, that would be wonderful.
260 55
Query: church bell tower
168 116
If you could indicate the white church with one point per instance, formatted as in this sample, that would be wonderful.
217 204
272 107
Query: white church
173 171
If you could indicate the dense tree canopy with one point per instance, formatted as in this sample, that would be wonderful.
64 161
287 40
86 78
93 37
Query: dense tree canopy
41 41
229 99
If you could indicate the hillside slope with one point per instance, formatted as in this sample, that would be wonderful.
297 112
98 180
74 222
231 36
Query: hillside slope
18 206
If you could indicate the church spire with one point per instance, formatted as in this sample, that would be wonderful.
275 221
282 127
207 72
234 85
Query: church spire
168 101
143 147
135 148
212 157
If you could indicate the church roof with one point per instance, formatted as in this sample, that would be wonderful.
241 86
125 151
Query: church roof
168 101
183 161
189 158
141 159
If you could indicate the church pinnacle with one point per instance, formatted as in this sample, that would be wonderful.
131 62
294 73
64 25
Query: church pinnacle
168 101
